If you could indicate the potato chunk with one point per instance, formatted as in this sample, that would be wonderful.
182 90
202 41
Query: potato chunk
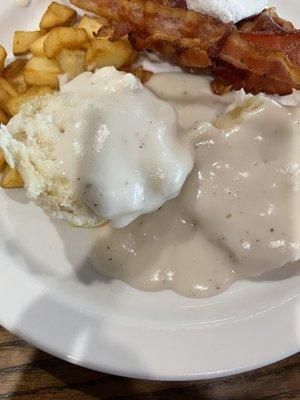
11 178
2 161
71 62
14 74
22 41
14 104
8 87
4 97
37 47
42 72
3 117
64 38
3 56
102 53
92 24
57 15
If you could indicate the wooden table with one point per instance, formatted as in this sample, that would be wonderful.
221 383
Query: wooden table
29 374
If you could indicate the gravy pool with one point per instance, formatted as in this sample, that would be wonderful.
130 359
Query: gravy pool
236 215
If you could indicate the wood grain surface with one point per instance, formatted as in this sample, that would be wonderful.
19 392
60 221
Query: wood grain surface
29 374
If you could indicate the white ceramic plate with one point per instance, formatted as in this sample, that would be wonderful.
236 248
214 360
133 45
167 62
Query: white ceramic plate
51 297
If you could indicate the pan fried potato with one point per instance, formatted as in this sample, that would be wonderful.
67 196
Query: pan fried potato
14 74
14 104
92 24
37 47
3 56
14 68
7 92
11 178
3 117
64 38
102 53
57 15
42 72
2 161
4 97
22 41
71 62
8 87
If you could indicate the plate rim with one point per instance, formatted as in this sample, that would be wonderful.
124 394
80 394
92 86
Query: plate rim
13 280
65 323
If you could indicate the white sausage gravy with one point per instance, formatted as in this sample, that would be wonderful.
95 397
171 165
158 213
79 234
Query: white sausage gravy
236 215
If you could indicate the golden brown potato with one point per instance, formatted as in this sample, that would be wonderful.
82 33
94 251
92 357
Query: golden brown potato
8 87
42 72
3 117
22 41
101 53
3 56
14 104
14 74
14 68
64 38
92 24
2 161
71 62
37 47
11 178
57 15
4 97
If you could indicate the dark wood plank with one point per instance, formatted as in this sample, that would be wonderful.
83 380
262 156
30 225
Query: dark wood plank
29 374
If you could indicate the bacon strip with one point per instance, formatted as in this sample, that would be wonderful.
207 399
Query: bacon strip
276 56
154 22
266 48
227 77
266 21
271 49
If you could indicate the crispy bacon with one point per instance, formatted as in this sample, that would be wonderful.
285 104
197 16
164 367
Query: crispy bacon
227 77
260 54
172 3
153 22
266 21
276 56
